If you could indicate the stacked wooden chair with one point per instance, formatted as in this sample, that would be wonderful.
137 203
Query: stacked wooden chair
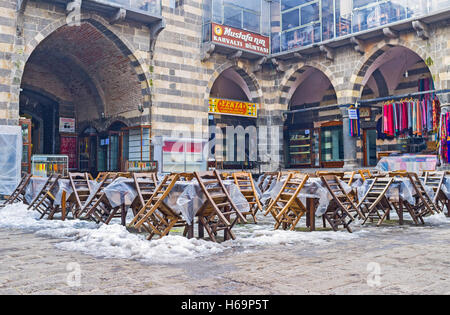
81 190
145 184
365 174
218 212
435 180
424 205
375 204
286 208
156 217
44 202
18 195
244 181
98 208
342 209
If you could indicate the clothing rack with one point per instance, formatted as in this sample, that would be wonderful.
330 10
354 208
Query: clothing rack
397 97
364 103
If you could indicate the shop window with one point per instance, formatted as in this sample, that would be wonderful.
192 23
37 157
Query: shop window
310 13
232 16
300 148
291 19
250 21
289 4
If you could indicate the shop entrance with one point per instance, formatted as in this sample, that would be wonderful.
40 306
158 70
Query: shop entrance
232 122
82 76
313 136
407 118
42 112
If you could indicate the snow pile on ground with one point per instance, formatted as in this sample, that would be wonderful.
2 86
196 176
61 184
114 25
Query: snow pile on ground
109 241
114 241
260 236
437 219
17 216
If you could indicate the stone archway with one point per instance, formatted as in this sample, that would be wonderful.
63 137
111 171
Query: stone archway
363 66
249 78
122 46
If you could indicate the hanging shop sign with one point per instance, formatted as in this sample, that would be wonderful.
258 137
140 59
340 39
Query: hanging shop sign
67 125
240 39
236 108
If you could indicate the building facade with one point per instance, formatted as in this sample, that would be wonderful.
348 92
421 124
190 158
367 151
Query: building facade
117 84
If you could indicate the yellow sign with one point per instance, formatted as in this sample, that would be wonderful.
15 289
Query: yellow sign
228 107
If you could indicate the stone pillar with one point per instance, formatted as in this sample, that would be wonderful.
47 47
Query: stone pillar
350 161
270 141
445 108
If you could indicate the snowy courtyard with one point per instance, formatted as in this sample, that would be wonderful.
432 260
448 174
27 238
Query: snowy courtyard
81 257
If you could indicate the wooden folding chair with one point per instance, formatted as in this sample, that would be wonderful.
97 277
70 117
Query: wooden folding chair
18 195
156 217
286 208
341 209
145 184
266 181
365 174
81 190
435 180
374 204
98 208
44 202
218 212
349 177
244 181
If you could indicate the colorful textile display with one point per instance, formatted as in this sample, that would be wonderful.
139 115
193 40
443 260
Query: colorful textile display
411 118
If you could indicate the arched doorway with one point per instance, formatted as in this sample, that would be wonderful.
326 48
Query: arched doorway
313 132
91 77
232 120
396 71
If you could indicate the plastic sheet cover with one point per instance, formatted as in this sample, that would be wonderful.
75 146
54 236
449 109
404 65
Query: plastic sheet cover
313 188
410 163
36 183
401 187
192 198
10 158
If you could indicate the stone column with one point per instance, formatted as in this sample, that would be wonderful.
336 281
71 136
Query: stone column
445 108
350 161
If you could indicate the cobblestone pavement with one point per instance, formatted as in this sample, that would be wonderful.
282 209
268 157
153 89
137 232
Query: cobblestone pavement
413 260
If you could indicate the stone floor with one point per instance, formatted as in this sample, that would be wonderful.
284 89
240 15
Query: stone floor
389 260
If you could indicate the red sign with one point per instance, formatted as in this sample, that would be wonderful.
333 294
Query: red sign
69 148
240 39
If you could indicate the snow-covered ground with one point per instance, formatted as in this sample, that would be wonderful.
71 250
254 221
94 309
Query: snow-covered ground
115 241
